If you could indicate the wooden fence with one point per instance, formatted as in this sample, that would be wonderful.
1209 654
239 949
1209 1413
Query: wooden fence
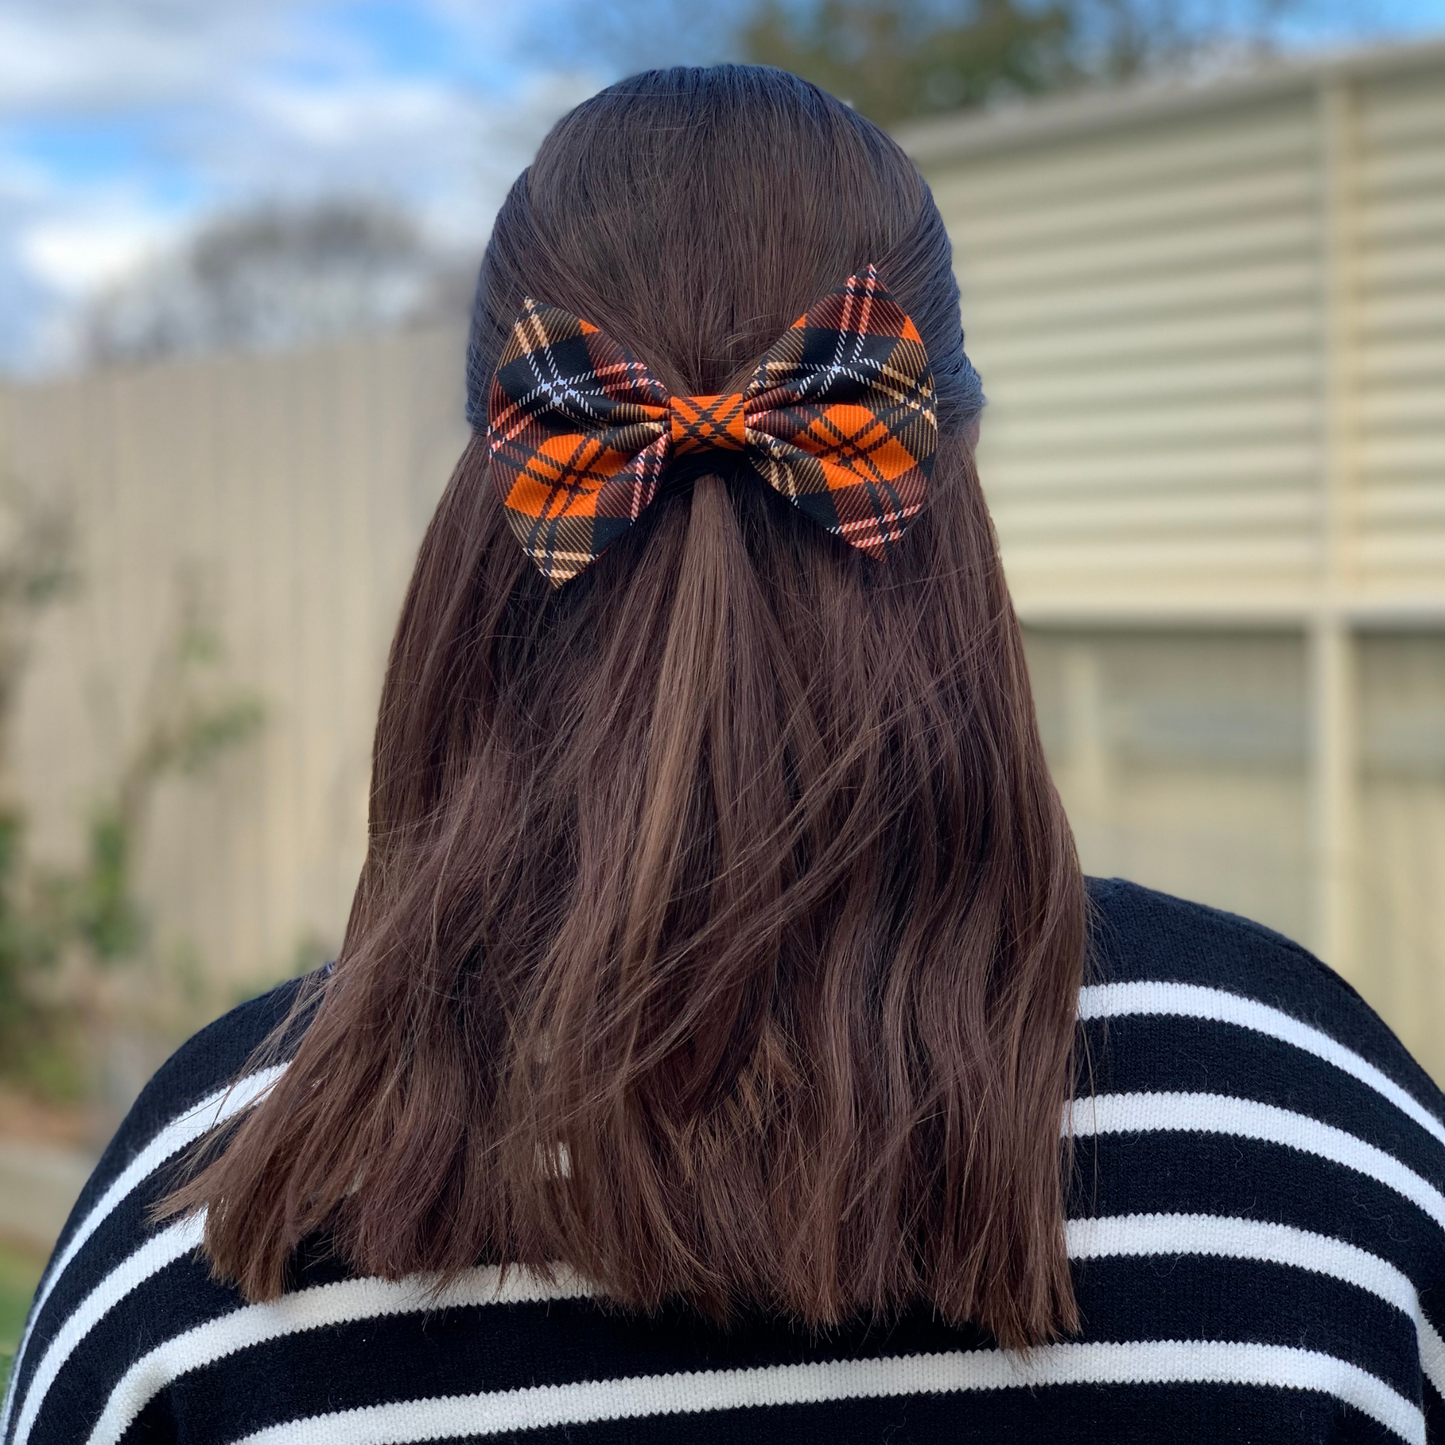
291 491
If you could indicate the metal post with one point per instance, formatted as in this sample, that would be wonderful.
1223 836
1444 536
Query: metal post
1088 785
1334 772
1334 804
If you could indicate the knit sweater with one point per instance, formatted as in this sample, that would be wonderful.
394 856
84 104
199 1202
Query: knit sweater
1256 1228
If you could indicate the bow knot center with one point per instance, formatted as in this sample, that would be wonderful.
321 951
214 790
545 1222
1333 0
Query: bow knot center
700 422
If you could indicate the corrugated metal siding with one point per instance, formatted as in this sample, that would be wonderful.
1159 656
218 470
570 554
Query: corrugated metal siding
1156 304
1401 341
1145 312
1402 835
1182 761
1212 328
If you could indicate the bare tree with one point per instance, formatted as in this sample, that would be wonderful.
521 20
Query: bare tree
271 279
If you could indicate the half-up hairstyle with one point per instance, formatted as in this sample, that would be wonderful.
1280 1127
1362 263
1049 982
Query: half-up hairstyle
720 931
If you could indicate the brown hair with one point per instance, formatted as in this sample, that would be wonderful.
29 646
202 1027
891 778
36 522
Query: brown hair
720 931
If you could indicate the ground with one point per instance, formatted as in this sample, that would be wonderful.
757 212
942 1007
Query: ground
20 1267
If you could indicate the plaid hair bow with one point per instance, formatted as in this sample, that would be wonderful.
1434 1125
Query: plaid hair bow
839 418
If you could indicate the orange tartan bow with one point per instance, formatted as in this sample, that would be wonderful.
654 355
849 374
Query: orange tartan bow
839 417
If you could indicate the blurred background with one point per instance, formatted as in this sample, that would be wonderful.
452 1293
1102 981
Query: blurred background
1202 254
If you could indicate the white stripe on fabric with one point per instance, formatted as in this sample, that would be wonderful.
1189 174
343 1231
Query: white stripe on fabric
1136 1234
312 1309
1229 1237
1162 1362
1250 1119
181 1131
1188 1000
149 1259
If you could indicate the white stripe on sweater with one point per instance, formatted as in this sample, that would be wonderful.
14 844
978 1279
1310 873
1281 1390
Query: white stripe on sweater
1187 1000
183 1130
1163 1362
361 1299
1249 1119
1095 1001
311 1309
152 1257
1258 1239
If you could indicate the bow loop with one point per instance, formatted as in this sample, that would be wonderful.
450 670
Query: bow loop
839 417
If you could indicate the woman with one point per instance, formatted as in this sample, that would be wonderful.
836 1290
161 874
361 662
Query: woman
714 990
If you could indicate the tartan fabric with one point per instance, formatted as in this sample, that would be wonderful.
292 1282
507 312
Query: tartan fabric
839 417
700 422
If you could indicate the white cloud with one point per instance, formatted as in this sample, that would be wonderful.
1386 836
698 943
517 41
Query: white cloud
226 104
336 117
89 56
78 255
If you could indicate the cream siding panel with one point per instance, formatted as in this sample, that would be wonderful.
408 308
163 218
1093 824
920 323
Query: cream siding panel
1212 328
1072 160
1401 321
1402 727
1149 342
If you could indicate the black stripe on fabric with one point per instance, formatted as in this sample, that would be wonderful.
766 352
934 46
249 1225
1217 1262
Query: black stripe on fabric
1139 934
1434 1404
176 1299
1186 1296
207 1062
1056 1415
1176 1172
507 1347
1052 1415
1163 1053
125 1230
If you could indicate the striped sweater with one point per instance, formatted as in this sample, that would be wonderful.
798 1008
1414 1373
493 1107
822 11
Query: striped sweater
1257 1229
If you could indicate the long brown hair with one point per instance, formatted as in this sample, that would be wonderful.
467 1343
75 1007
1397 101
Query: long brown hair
720 931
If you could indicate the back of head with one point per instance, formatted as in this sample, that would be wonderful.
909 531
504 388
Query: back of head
720 932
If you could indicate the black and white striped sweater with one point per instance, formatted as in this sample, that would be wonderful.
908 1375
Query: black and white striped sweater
1257 1229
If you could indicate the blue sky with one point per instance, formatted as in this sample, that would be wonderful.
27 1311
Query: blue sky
125 122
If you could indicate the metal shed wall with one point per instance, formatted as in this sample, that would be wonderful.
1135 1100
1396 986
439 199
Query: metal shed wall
1211 322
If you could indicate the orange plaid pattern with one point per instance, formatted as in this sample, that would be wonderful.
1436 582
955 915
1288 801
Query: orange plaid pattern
839 417
700 422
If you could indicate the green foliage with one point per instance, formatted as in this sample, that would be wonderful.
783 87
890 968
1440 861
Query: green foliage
189 718
187 726
899 60
36 570
97 902
895 59
31 1036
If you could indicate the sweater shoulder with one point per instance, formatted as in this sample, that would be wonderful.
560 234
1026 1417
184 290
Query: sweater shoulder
1141 935
201 1070
213 1057
119 1282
